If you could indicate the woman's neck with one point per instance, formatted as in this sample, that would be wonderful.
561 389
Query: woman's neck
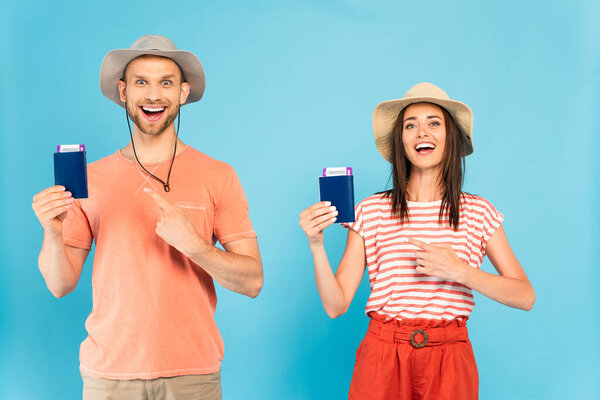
424 186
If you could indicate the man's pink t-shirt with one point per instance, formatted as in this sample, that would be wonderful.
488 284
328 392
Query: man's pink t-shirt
153 308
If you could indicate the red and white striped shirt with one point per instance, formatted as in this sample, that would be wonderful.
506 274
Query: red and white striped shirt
397 290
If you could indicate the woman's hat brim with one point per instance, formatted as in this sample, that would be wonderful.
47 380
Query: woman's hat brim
386 114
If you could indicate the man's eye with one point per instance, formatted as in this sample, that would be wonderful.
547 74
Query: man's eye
140 82
166 83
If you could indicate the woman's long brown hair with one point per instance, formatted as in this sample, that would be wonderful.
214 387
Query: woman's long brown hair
452 173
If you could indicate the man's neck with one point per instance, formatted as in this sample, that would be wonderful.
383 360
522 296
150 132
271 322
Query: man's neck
152 148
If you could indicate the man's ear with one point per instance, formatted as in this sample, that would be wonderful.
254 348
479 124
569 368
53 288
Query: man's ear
122 86
185 92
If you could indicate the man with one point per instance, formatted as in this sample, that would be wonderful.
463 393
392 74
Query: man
156 208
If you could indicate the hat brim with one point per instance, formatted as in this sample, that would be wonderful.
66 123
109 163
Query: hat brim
386 114
114 64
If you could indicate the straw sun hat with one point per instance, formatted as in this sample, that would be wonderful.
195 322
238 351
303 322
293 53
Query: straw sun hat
386 114
114 64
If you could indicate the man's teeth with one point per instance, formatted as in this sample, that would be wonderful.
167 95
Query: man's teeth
150 109
424 146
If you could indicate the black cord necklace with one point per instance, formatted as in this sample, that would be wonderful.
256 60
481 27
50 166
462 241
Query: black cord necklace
165 184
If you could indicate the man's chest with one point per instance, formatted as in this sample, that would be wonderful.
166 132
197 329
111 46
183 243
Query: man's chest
122 205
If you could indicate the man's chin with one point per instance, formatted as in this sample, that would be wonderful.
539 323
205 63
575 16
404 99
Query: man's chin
151 129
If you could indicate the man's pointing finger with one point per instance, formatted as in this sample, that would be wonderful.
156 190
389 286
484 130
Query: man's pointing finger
164 204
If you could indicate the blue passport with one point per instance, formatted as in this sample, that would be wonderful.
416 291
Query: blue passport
70 171
339 190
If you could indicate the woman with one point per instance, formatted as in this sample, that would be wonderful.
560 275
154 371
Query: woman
422 243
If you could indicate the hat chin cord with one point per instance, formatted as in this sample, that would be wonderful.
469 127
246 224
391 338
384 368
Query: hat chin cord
166 186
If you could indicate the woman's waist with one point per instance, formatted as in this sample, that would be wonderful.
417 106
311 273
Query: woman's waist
419 331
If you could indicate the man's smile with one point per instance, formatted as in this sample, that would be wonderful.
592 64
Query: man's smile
153 113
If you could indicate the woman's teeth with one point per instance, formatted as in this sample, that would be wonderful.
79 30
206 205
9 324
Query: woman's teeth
424 147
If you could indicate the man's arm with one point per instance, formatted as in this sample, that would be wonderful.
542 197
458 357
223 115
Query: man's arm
238 269
59 264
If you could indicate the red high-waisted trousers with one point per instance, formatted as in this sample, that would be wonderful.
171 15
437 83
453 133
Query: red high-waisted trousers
437 364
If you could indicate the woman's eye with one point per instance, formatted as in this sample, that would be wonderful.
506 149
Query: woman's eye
435 123
409 126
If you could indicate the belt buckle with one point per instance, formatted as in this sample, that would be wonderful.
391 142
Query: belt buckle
414 342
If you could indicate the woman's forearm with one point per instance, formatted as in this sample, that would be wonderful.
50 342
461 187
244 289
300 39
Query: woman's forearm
512 292
336 290
332 295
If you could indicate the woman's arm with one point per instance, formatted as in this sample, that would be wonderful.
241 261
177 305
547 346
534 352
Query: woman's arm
511 287
336 291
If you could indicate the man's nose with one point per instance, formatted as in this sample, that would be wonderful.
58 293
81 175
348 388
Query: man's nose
153 93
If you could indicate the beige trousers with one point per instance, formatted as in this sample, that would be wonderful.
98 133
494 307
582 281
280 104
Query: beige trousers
185 387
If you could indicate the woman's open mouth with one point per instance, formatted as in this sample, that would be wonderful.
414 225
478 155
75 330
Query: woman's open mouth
153 113
425 148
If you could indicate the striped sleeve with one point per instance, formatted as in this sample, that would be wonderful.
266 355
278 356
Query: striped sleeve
492 219
357 225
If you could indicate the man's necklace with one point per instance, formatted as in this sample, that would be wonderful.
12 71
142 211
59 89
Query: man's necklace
165 184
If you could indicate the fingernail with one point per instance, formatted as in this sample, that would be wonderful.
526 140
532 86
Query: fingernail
147 190
334 219
71 200
335 213
67 194
327 203
332 208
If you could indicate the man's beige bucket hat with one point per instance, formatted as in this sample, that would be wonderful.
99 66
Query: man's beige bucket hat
386 114
114 64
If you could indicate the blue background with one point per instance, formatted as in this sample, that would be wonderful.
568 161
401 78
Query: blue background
290 89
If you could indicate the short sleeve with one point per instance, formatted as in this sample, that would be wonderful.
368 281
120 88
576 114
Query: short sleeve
76 227
357 225
232 221
492 219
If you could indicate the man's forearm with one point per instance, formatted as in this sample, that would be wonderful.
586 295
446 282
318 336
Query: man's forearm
55 266
236 272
